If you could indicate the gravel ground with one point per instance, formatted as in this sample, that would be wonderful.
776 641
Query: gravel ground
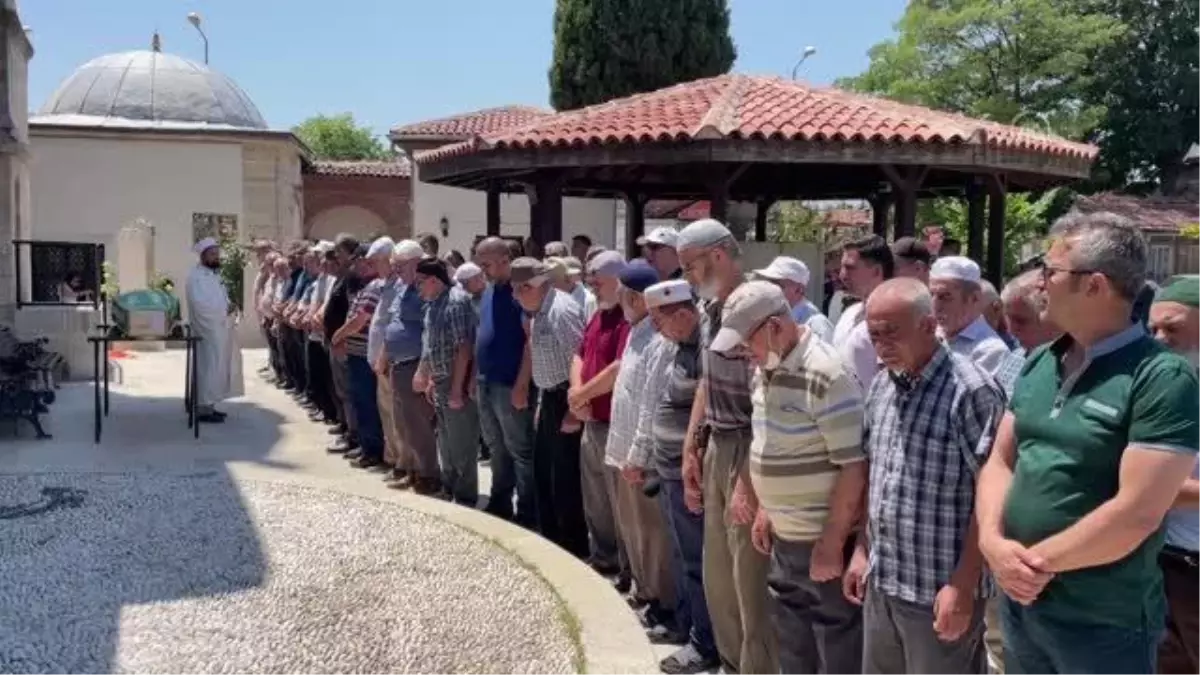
159 572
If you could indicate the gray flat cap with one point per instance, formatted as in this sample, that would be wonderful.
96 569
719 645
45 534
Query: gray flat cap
527 269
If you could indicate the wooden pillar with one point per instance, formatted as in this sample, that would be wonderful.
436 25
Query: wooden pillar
905 183
976 197
718 198
493 210
760 218
880 205
635 223
997 192
546 216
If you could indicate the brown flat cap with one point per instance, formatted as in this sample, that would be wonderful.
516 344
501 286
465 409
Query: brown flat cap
527 269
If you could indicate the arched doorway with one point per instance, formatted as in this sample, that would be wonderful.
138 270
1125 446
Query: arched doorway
347 218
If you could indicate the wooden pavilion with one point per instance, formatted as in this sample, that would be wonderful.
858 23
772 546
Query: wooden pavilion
762 139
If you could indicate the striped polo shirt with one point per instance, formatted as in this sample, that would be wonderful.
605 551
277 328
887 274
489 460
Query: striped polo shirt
808 422
727 379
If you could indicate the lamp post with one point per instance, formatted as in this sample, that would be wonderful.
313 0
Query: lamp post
194 19
808 51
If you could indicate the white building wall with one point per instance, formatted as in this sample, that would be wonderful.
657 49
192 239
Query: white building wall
87 189
466 211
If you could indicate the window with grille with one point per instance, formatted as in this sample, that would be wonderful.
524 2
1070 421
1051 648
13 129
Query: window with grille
60 272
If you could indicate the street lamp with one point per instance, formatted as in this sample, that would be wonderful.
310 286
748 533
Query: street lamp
194 19
808 51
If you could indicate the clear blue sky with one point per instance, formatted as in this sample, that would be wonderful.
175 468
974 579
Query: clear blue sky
398 61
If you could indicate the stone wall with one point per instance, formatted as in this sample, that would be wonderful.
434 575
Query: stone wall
386 197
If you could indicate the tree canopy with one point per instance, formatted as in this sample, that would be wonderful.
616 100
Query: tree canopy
606 49
1010 61
338 137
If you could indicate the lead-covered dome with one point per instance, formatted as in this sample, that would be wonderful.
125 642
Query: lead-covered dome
150 88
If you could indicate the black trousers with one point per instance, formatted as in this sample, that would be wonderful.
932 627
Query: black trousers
556 475
320 379
275 350
294 356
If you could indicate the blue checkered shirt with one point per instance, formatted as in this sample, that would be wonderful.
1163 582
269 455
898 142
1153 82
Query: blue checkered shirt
926 438
555 333
449 322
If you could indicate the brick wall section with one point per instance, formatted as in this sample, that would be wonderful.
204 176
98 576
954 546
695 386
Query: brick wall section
386 196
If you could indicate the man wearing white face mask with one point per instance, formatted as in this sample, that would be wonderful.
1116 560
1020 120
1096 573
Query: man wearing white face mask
808 474
1174 322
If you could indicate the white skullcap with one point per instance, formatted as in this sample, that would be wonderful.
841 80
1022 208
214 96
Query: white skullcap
407 250
667 293
381 246
957 268
323 246
785 268
573 265
204 244
607 264
466 272
701 234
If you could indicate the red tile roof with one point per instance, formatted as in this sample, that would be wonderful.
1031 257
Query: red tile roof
398 168
1149 213
466 125
738 106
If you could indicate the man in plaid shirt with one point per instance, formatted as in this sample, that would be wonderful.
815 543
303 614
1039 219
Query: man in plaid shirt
931 417
447 344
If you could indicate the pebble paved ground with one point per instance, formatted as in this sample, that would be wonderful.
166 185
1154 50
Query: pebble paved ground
152 553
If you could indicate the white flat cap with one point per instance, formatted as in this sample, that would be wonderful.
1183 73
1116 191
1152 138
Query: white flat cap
662 236
381 246
785 268
204 244
323 246
407 250
607 264
573 265
466 272
702 233
667 292
955 267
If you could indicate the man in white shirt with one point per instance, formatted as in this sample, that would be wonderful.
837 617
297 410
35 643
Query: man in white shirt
866 263
792 277
954 284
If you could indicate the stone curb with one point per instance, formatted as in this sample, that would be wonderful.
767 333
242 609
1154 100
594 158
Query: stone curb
612 639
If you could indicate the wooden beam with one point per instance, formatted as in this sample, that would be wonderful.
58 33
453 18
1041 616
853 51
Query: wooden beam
760 217
976 200
635 222
493 210
546 220
905 183
881 205
997 193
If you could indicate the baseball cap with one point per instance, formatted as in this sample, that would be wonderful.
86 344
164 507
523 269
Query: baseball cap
638 275
668 292
525 269
912 248
607 264
555 267
745 309
957 268
785 268
660 236
702 233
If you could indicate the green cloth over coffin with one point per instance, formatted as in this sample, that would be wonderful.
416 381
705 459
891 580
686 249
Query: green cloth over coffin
145 313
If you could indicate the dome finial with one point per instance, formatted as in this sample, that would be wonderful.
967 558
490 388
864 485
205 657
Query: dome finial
156 42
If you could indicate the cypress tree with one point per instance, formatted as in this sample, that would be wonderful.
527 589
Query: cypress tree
606 49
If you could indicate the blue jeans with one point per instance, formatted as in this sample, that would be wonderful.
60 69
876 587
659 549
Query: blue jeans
362 388
1037 643
686 532
508 433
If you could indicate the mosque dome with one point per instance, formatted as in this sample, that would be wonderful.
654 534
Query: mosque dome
150 89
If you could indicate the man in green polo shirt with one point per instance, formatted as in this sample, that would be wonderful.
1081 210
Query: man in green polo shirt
1100 435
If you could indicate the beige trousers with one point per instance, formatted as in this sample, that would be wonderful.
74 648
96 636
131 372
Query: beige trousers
735 574
391 440
643 533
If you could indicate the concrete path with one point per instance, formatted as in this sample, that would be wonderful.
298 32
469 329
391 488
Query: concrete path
252 550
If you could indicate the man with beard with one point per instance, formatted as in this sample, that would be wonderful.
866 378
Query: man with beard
208 315
1175 322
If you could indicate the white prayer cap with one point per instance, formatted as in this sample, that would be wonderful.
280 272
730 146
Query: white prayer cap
785 268
407 250
956 268
607 264
381 246
701 234
663 236
204 244
667 293
466 272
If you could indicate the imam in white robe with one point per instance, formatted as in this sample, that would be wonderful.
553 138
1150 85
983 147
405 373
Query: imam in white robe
208 313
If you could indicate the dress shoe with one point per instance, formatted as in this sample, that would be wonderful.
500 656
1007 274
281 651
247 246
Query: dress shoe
622 583
339 430
354 455
688 660
339 447
662 635
366 462
402 483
